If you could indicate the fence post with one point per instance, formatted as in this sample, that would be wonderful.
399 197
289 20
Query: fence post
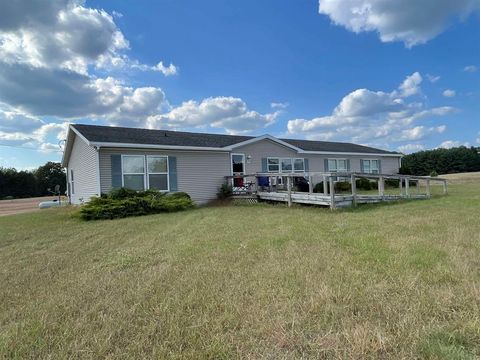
401 186
428 188
354 190
381 186
310 184
418 186
332 192
325 189
289 188
445 190
407 187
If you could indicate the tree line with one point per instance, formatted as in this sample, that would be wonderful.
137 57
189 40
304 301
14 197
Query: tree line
441 161
26 183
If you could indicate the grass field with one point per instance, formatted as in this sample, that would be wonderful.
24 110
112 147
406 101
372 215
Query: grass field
389 281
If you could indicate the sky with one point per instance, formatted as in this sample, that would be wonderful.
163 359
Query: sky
401 76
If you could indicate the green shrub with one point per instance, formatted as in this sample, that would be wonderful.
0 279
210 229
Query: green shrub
392 183
318 188
122 193
342 186
225 191
124 203
365 184
433 174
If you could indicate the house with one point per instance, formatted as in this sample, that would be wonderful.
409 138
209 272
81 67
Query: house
101 158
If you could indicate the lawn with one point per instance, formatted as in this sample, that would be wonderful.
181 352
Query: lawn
384 281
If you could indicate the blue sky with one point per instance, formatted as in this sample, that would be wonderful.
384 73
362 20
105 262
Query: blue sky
403 78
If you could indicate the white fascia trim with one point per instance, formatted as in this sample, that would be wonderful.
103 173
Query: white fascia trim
350 153
263 137
160 147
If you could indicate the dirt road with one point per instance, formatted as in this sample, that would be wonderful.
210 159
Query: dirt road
18 206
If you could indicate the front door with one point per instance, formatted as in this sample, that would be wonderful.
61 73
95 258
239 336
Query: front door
238 169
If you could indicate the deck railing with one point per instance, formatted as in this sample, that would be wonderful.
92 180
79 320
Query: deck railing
265 185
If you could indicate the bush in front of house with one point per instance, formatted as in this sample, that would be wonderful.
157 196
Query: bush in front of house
225 191
342 186
123 203
392 183
365 184
318 188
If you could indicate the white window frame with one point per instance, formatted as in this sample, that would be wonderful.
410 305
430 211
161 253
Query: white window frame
280 170
144 170
281 167
371 170
148 173
293 167
268 165
336 164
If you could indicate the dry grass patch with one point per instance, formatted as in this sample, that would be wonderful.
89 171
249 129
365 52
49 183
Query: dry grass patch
385 281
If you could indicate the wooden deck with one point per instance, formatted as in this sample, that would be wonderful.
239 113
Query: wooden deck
325 200
285 193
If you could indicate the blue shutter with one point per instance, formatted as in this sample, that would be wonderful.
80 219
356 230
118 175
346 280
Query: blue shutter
264 165
305 163
326 165
362 169
348 165
380 166
172 173
116 164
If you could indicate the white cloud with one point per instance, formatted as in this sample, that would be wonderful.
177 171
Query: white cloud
448 144
279 105
411 85
17 128
117 14
449 93
410 148
375 117
433 78
228 113
420 132
411 21
470 68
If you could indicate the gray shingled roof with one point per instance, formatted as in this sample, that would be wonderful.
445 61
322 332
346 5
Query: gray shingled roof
108 134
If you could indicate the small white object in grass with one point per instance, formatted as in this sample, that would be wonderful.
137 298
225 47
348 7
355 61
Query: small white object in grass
51 203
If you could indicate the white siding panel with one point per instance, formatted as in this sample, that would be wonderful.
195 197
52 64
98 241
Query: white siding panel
200 173
83 162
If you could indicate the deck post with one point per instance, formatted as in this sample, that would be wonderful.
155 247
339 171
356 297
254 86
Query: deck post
270 183
445 190
310 184
354 190
289 188
407 187
325 189
381 186
332 192
400 184
428 188
418 186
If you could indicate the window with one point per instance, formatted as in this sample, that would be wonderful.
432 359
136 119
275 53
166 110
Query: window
286 165
299 165
157 167
72 184
133 168
272 165
337 165
371 166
